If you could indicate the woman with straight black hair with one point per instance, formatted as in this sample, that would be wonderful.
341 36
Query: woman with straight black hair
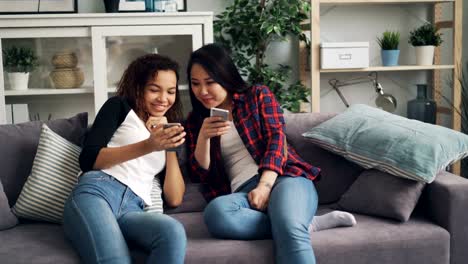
257 185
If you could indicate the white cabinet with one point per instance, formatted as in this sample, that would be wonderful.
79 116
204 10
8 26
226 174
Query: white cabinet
104 45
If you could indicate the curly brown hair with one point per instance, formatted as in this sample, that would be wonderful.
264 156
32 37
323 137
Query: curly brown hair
132 84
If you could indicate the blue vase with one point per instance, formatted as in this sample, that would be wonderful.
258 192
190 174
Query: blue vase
390 57
149 6
422 108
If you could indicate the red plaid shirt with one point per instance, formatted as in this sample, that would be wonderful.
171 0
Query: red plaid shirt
259 121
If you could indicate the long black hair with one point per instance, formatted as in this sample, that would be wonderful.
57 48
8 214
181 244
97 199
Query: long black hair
217 62
132 84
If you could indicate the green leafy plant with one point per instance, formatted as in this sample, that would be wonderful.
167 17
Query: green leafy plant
389 40
248 27
19 59
462 109
425 35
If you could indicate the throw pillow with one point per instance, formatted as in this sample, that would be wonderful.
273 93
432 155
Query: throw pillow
402 147
53 176
337 173
7 219
156 197
19 145
381 194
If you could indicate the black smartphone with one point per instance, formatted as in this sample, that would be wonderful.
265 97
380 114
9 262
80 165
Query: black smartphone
168 125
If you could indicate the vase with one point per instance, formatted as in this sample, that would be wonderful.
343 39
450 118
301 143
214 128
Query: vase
422 108
18 80
112 6
424 55
390 57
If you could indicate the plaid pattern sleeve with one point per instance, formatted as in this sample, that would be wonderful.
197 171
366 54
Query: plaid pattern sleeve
271 114
260 123
214 180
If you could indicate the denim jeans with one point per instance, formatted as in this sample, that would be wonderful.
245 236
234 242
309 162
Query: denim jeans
102 214
292 205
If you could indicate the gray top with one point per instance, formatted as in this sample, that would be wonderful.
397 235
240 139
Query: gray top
240 166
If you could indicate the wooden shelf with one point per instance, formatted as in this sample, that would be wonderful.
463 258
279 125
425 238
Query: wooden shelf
392 68
52 91
382 1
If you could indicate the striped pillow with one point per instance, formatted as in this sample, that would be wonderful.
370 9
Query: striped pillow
156 198
53 176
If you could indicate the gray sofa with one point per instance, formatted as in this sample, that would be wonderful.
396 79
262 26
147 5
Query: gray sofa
437 231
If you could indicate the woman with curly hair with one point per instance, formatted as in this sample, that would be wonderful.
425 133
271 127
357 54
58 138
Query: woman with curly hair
123 151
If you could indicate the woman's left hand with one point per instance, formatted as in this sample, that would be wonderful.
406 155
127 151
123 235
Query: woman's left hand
259 197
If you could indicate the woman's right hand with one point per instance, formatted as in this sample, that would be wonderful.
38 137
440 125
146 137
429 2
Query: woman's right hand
213 126
161 139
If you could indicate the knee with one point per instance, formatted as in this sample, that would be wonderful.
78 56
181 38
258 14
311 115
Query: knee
290 232
216 218
172 233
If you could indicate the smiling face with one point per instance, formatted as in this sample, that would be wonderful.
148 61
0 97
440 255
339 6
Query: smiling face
160 93
206 90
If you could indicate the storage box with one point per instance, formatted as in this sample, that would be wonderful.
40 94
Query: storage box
344 55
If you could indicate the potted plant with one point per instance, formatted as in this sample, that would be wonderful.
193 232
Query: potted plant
389 44
18 63
248 27
425 39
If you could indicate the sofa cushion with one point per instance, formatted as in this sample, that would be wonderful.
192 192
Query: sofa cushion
402 147
384 241
381 194
53 176
19 144
7 218
337 173
38 243
415 241
193 200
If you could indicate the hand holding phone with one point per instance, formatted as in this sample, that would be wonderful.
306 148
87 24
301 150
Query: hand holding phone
220 112
167 126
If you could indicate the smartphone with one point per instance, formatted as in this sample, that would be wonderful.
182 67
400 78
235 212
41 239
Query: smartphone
220 112
168 125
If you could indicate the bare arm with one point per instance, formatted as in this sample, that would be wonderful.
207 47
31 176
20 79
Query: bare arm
212 127
174 186
111 156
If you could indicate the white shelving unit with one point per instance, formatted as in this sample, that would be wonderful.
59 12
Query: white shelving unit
106 43
314 74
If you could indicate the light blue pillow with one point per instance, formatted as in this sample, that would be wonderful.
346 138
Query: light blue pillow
402 147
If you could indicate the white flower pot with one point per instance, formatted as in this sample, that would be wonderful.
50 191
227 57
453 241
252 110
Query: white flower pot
18 80
424 55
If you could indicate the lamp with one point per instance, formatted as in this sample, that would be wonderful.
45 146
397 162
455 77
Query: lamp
385 101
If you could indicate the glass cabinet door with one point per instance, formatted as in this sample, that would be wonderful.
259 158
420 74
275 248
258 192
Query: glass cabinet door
116 46
61 84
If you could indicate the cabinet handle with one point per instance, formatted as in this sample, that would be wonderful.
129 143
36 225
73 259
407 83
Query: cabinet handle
345 56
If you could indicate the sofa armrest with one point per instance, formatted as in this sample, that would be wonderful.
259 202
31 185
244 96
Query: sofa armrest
446 201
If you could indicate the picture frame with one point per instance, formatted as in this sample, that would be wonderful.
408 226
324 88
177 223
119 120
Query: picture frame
131 6
38 6
139 5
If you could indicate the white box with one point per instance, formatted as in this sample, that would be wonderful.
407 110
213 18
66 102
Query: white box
344 55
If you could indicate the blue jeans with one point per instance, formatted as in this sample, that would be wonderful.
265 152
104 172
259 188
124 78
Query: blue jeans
292 205
101 214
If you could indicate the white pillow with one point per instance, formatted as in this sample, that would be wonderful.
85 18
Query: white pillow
53 176
156 198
